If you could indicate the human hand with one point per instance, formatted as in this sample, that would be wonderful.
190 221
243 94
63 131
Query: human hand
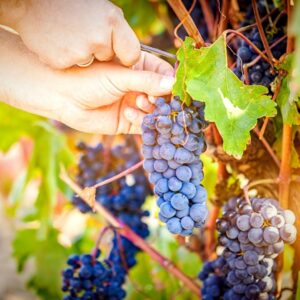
64 33
105 98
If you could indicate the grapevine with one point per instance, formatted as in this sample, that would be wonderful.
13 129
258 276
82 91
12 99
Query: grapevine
203 201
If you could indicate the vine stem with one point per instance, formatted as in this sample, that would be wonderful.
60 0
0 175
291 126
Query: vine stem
208 16
88 195
287 139
223 16
187 21
210 230
120 175
285 167
267 147
258 51
262 33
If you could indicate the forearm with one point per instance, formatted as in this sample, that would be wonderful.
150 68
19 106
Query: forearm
11 11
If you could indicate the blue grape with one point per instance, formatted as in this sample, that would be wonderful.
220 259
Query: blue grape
177 129
184 119
174 225
167 151
147 151
156 152
149 138
169 173
163 124
184 173
200 195
161 186
188 189
149 121
187 223
154 177
183 212
174 184
159 166
198 212
167 210
149 165
183 156
179 201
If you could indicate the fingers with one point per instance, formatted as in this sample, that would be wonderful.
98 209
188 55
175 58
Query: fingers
150 62
147 82
125 43
143 103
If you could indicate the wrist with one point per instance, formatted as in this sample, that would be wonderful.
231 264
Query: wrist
11 12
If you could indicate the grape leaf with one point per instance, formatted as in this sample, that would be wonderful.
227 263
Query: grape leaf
49 258
286 99
232 105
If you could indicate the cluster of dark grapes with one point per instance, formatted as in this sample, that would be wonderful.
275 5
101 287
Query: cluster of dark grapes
251 234
124 198
261 72
172 142
89 278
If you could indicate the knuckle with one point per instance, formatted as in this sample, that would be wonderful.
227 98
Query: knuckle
132 57
114 15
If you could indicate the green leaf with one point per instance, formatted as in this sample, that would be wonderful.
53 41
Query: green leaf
298 287
148 280
15 124
210 170
232 105
183 54
142 16
286 99
49 258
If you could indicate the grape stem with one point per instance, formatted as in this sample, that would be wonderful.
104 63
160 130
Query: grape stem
120 175
262 33
259 52
187 21
102 232
252 184
267 147
88 195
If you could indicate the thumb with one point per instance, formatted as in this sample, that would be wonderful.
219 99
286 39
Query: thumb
147 82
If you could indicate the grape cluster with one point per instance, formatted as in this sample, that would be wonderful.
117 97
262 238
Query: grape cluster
124 198
251 234
214 284
261 73
88 278
172 142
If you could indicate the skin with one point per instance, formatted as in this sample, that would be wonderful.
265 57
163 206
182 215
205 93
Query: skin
105 98
38 71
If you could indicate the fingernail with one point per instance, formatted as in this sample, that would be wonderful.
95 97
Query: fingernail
167 82
131 114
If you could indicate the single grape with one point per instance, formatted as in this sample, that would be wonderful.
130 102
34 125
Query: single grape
179 201
174 184
167 210
174 225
